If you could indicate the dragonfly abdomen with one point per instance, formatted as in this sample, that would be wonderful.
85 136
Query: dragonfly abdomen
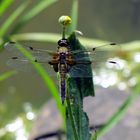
63 73
63 89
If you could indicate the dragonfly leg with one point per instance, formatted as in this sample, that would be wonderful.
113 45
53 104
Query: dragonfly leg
55 67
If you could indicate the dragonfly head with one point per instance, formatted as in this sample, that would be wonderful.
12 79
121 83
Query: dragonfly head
63 43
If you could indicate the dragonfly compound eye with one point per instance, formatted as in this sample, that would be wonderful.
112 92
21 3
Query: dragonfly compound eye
63 42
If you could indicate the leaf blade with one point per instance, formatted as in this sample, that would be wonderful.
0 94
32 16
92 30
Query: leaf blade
4 5
40 6
6 75
78 122
11 19
74 16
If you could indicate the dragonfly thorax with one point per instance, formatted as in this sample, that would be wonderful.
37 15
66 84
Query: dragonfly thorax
63 50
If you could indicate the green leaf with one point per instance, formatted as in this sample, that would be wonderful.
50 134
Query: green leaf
83 83
6 75
4 5
47 80
70 121
76 119
40 6
7 24
74 16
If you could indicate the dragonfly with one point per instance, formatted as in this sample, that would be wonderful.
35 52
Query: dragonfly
65 61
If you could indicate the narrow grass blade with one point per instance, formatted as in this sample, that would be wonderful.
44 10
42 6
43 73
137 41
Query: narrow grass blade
1 41
47 80
41 37
40 6
94 136
132 46
4 5
12 18
53 38
6 75
118 115
74 16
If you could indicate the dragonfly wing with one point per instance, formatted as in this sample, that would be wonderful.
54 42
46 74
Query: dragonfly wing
41 57
92 59
25 65
42 54
98 51
20 64
87 67
11 47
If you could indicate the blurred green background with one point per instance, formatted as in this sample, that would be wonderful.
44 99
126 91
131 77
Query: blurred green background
22 94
